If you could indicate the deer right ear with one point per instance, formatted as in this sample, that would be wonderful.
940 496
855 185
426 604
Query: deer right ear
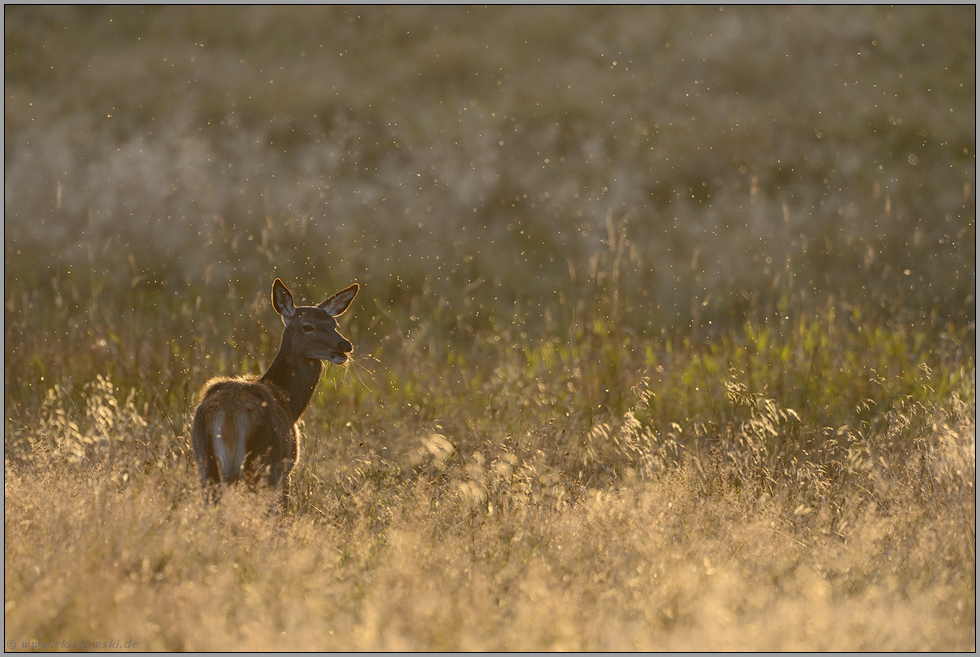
338 304
282 301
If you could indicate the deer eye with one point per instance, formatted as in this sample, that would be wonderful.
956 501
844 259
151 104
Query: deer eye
307 328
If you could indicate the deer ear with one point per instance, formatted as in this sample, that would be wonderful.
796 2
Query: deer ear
282 301
340 302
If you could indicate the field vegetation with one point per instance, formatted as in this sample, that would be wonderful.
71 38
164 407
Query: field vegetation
666 337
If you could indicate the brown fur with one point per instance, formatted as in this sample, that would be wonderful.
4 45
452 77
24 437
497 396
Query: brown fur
270 439
246 428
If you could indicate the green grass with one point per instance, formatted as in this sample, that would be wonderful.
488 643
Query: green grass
665 340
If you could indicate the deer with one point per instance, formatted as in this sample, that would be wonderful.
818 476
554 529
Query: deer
245 428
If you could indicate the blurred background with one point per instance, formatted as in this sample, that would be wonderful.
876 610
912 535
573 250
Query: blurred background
668 169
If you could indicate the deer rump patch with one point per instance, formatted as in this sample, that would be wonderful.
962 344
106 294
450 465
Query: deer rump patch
250 431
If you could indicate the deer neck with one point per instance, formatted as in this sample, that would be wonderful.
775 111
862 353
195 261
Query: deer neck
295 375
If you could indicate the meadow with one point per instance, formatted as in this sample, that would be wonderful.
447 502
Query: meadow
666 334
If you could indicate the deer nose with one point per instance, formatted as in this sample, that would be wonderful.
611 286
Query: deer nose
346 347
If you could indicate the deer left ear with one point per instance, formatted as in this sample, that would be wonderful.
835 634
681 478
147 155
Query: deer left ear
340 302
282 301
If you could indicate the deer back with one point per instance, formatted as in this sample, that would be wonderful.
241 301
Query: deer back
244 429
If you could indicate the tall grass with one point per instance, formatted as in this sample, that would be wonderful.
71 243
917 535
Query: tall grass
666 337
526 513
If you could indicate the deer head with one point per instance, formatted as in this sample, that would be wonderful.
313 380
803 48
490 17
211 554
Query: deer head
312 330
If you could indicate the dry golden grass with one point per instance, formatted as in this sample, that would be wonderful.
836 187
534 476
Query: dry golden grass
489 555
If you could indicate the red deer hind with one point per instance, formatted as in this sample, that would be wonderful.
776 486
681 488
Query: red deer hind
246 428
